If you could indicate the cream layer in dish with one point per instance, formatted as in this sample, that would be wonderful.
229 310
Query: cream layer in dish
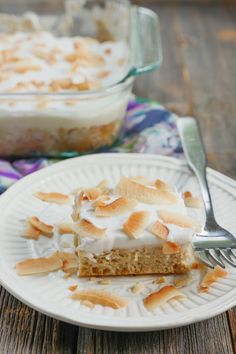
45 67
42 62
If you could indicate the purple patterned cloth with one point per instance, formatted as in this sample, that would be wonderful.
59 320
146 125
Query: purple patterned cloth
148 128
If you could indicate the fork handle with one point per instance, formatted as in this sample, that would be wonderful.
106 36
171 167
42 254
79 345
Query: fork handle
196 158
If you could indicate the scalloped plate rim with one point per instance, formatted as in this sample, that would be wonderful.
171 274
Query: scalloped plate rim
109 323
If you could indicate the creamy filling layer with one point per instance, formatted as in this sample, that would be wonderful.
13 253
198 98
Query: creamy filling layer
116 237
40 62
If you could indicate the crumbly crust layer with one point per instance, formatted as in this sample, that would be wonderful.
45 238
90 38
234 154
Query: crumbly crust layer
147 260
82 139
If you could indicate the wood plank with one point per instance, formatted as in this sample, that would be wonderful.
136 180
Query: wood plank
86 343
27 331
196 339
196 76
211 66
169 85
24 330
232 322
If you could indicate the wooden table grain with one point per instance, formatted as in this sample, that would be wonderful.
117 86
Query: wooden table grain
198 78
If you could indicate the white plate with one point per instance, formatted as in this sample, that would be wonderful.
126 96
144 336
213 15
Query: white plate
49 293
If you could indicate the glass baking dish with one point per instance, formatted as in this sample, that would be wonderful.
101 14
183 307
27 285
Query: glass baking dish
57 123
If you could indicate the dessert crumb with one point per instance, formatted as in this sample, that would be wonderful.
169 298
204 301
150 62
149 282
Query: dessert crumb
182 281
137 288
67 275
92 279
73 287
87 303
160 280
104 281
65 244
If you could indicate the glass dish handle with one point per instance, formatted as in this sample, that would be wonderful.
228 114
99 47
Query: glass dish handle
145 40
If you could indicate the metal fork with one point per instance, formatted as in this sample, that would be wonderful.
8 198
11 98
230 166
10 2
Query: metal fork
213 244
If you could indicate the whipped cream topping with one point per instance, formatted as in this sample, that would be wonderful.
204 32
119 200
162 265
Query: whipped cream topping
42 62
116 237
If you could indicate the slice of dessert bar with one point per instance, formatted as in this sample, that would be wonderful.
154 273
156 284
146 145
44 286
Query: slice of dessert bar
139 227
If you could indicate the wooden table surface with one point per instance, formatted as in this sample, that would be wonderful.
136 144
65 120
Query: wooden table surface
198 78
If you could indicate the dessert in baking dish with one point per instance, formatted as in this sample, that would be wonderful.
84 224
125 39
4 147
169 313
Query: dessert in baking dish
59 74
42 62
138 228
63 81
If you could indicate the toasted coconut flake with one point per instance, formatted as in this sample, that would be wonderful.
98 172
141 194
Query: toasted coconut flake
104 186
117 207
108 51
45 229
190 201
70 262
176 219
187 194
211 277
72 287
98 203
136 224
159 184
88 85
61 84
141 180
87 303
31 233
86 228
159 230
39 265
103 74
105 281
102 298
131 189
198 266
91 193
161 296
22 68
65 228
121 61
57 198
72 57
160 280
102 200
37 83
170 248
68 275
182 281
76 207
76 241
137 288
